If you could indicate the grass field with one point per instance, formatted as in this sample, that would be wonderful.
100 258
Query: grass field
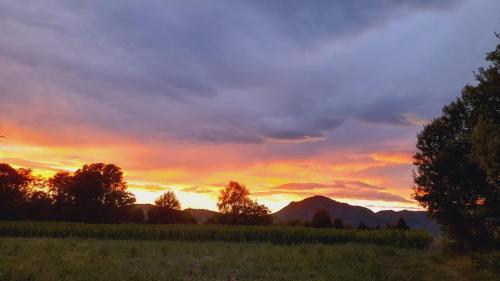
227 233
88 259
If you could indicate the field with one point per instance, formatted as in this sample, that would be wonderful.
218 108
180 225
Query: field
227 233
42 251
88 259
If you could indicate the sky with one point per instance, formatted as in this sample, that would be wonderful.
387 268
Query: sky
291 98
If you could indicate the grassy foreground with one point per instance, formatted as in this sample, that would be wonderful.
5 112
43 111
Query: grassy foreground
40 259
227 233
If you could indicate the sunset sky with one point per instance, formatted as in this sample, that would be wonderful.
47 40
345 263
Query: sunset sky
291 98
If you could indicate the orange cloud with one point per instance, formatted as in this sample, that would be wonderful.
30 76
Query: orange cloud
153 166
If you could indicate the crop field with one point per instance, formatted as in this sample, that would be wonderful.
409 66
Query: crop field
44 259
272 234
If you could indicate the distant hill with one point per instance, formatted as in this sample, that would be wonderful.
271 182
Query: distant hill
353 215
201 215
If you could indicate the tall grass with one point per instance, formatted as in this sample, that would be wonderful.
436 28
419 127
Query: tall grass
273 234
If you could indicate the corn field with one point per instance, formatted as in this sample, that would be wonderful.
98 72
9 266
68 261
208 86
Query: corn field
229 233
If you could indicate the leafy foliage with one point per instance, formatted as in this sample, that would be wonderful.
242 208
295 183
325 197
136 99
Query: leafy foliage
458 162
237 208
168 200
14 190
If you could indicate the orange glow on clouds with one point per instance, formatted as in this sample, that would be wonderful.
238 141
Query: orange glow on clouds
196 172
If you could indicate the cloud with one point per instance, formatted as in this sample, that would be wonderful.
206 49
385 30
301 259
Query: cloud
340 188
29 164
198 189
232 72
188 92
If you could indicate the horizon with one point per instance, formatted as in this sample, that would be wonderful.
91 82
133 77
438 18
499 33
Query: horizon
291 99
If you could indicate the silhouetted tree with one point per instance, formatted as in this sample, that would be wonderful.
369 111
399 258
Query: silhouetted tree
402 225
321 219
236 207
60 189
458 162
362 226
39 206
137 215
162 215
167 210
14 190
338 223
94 193
168 200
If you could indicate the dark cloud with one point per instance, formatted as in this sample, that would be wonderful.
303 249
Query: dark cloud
245 72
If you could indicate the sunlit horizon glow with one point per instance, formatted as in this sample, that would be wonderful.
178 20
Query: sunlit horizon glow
274 183
290 98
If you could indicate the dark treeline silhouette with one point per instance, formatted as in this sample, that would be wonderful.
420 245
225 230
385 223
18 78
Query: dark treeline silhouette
322 219
97 193
167 209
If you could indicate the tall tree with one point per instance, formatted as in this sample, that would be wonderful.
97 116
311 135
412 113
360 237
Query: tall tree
236 206
14 191
233 199
94 193
457 177
168 200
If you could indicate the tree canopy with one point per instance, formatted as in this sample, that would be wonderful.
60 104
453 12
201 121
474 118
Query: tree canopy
236 207
168 200
457 177
14 189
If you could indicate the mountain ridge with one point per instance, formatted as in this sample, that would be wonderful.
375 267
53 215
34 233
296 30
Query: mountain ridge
304 210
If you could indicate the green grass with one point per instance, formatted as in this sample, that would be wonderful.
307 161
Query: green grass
272 234
40 259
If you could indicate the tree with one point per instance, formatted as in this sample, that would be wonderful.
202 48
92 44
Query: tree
457 177
39 206
402 225
362 226
158 214
14 190
321 219
338 223
168 200
94 193
167 210
136 215
233 199
59 188
237 208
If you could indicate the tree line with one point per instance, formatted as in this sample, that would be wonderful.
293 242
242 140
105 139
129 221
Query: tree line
97 193
322 219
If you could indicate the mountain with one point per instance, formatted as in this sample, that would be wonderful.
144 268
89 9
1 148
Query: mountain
353 215
201 215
